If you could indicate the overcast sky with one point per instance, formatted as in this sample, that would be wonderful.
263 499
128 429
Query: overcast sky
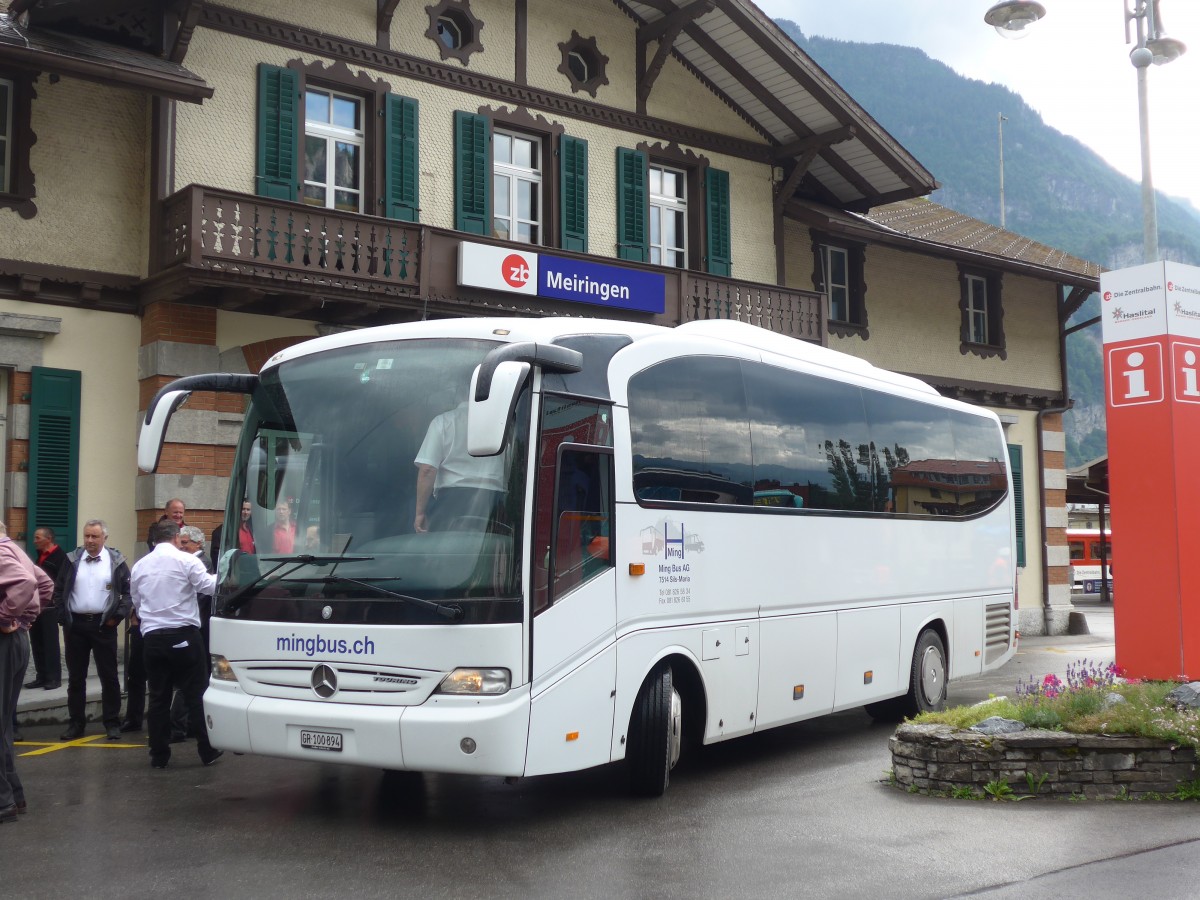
1073 68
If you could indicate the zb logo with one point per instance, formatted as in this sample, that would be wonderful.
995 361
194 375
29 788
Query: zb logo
515 270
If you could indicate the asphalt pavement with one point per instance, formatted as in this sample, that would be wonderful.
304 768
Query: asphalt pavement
800 811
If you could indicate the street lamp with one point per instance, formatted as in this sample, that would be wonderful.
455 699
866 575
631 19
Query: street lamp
1012 17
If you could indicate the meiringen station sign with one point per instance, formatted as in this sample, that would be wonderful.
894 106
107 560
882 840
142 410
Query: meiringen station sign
1151 325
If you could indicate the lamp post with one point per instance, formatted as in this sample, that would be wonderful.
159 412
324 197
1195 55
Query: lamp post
1000 120
1012 17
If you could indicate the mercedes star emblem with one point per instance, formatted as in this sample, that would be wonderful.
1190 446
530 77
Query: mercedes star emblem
324 681
327 612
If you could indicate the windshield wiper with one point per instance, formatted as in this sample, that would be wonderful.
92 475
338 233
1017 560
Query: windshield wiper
299 560
451 611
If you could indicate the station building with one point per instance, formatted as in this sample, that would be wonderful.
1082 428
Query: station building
191 186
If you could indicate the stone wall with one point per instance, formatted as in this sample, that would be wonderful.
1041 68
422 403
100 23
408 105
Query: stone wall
938 758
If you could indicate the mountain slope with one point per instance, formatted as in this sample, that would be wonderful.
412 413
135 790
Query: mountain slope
1057 191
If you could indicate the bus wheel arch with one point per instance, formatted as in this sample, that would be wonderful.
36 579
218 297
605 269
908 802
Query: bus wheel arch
928 676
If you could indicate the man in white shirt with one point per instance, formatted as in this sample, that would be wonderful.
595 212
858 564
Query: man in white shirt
460 486
165 584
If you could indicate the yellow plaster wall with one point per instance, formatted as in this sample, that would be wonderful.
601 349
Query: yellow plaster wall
678 96
1029 578
236 329
92 193
615 38
914 321
104 347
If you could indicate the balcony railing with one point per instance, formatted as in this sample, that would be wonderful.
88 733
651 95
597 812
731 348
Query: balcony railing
239 234
287 258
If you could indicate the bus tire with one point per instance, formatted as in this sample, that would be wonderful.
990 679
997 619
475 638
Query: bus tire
926 683
654 734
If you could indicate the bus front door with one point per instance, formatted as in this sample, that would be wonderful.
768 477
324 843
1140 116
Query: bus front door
574 617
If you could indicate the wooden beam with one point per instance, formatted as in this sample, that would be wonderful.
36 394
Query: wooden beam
666 31
788 188
188 14
815 142
384 11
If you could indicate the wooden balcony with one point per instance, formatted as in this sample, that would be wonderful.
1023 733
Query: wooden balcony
241 252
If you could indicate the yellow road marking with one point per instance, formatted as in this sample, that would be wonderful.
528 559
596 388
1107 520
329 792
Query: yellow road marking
87 742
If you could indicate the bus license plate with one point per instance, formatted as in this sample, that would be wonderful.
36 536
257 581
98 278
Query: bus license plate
321 740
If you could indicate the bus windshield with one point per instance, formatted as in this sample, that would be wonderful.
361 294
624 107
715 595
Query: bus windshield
331 517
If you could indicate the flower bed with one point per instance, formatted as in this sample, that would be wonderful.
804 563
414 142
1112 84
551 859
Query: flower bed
1091 735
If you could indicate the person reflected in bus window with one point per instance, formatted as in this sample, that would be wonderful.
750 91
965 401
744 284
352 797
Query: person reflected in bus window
455 489
245 535
312 539
283 535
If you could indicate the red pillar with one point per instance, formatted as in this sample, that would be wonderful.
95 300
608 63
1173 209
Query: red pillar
1151 324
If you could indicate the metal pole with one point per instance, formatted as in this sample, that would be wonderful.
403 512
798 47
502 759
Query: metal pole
1149 211
1000 128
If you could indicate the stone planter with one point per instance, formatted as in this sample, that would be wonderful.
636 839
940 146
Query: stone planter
938 758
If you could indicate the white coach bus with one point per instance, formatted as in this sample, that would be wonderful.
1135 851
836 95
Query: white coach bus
616 570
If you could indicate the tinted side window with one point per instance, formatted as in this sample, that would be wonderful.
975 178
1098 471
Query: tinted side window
690 432
810 438
912 448
980 480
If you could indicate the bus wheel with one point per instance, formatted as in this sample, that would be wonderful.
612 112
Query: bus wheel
655 732
927 684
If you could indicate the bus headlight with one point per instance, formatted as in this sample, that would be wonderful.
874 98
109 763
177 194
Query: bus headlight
476 681
221 669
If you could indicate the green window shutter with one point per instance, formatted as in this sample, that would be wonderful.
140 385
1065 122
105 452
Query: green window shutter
573 191
720 237
402 197
632 194
1018 477
472 173
278 133
54 453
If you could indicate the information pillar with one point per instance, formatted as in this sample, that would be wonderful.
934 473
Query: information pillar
1151 324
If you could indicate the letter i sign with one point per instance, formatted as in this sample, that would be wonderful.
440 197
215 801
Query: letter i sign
1185 362
1135 375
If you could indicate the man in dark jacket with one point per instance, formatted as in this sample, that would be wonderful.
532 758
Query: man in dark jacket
43 636
92 599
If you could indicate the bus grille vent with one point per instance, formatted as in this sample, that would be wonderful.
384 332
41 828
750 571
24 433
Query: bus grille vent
381 686
997 631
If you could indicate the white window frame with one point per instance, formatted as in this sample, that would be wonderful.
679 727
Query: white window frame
835 288
6 137
661 204
334 135
978 327
517 175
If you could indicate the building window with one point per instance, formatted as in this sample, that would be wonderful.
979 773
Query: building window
668 217
454 29
353 147
333 150
981 313
16 137
516 187
836 263
6 104
838 273
583 64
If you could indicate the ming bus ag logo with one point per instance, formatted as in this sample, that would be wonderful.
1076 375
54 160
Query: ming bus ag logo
515 270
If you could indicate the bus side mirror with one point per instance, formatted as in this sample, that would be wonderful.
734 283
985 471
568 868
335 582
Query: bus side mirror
487 419
154 429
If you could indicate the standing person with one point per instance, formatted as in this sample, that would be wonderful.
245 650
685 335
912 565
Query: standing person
191 540
164 585
92 598
283 535
173 512
452 484
245 535
44 636
24 590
